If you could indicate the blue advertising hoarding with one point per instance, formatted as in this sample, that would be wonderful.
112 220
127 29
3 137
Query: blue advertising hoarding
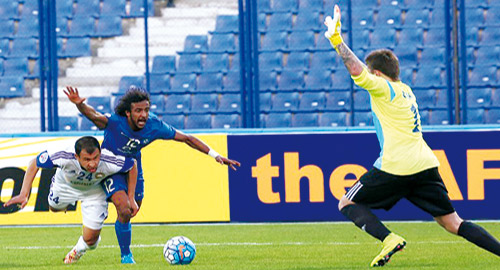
300 177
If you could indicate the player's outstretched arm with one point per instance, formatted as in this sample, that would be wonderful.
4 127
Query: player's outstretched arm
29 176
334 35
202 147
100 120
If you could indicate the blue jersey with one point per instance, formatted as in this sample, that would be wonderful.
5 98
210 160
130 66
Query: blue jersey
122 140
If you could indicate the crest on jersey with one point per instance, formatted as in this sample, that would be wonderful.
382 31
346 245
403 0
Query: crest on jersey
43 157
99 175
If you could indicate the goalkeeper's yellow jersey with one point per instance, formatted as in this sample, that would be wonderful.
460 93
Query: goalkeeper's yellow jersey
397 123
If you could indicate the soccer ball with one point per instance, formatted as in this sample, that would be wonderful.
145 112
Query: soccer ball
179 250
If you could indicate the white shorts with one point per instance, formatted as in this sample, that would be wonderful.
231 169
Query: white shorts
94 206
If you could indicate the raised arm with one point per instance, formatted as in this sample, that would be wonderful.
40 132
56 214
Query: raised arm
202 147
29 176
100 120
351 61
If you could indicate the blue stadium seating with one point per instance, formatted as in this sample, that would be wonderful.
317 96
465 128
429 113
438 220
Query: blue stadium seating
437 17
226 121
108 26
415 4
472 36
9 10
482 76
361 39
407 55
307 19
279 22
442 99
265 102
324 60
338 101
157 103
434 37
277 120
267 80
361 100
64 8
301 41
176 104
312 102
333 119
62 29
28 27
231 82
76 47
226 24
488 56
363 119
428 77
223 43
426 99
490 36
263 5
433 57
203 103
175 120
341 79
198 121
127 81
475 116
159 83
229 103
495 98
262 22
183 82
4 47
270 61
196 43
6 28
12 86
298 61
113 8
209 82
163 64
291 80
24 47
411 37
493 116
389 16
35 73
493 16
68 123
189 63
82 27
476 3
216 62
322 44
274 41
87 125
362 18
15 67
86 8
474 17
318 80
313 5
284 5
417 18
30 7
478 97
100 104
383 38
406 75
305 120
439 117
235 62
137 8
424 117
285 102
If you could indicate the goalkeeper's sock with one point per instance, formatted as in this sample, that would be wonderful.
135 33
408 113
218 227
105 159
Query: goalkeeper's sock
365 220
81 246
479 236
124 236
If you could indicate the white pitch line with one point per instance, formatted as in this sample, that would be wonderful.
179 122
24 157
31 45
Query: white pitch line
243 244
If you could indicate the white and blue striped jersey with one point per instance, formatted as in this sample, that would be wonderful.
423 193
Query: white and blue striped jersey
70 172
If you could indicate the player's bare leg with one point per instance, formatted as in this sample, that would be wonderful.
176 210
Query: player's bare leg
88 241
123 227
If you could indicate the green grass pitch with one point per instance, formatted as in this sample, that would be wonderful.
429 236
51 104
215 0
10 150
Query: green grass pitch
281 246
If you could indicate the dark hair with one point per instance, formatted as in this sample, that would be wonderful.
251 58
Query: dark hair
134 94
385 61
89 143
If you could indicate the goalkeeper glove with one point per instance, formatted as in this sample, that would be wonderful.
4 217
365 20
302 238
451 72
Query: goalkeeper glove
334 32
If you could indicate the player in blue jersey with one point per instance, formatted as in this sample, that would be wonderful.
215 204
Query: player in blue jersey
126 132
80 170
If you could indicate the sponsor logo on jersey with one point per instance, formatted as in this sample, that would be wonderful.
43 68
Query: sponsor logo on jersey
43 157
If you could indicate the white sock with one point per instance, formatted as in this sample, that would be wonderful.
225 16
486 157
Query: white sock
81 246
94 246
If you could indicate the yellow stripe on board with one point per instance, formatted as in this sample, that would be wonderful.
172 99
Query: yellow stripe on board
19 156
33 143
8 140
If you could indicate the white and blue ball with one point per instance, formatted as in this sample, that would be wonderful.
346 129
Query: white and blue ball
179 250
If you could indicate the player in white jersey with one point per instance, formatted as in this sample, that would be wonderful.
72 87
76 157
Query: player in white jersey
79 173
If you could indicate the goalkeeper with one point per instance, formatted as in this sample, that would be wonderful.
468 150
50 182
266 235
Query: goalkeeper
407 167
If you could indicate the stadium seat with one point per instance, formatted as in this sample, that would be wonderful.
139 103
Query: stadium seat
68 123
406 75
318 80
426 99
341 79
157 103
34 73
338 101
424 117
305 120
312 102
362 18
495 98
411 37
313 5
12 86
231 82
226 24
175 120
159 83
265 102
277 120
389 16
361 100
322 44
284 6
442 99
223 43
77 47
183 82
407 55
478 97
226 121
383 38
127 81
82 27
417 18
28 27
363 119
415 4
279 22
198 121
15 67
229 103
203 103
285 102
428 77
482 76
64 8
9 10
263 5
474 17
30 7
324 60
475 116
433 57
490 36
274 41
472 36
189 63
364 3
270 61
108 26
307 19
493 16
267 80
488 56
163 64
434 37
234 61
113 8
291 80
196 44
361 40
476 3
62 29
137 8
6 28
216 62
298 61
333 119
175 104
24 47
439 117
493 116
87 8
209 82
100 104
301 41
87 125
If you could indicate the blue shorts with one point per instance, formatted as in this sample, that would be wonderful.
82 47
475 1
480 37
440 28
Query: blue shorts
117 182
